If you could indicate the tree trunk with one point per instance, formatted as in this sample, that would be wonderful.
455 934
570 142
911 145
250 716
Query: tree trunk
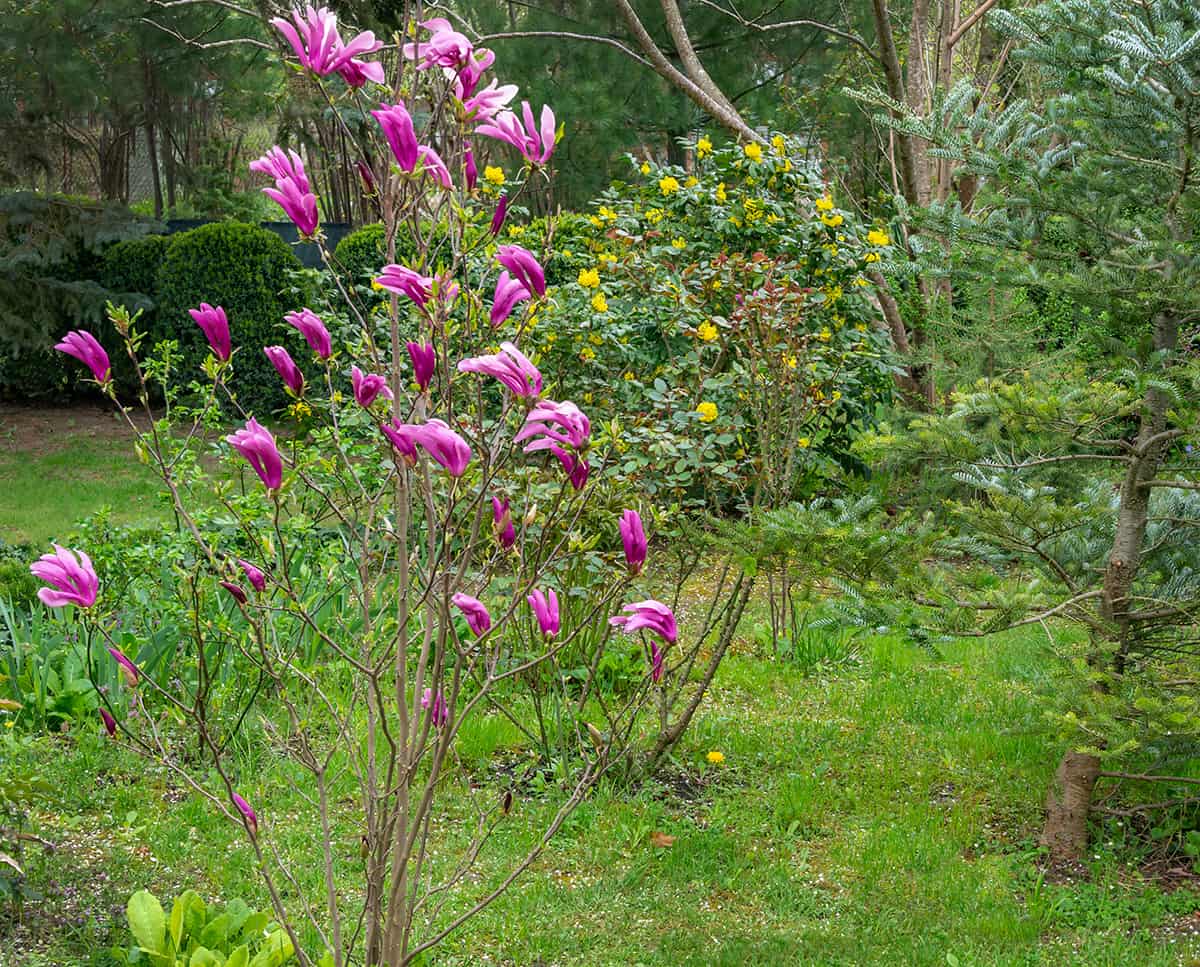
1065 833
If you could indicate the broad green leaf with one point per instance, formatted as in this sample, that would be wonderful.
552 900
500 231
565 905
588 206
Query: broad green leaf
147 921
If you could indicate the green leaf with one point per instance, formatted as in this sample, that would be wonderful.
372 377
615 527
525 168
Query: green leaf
239 957
147 921
177 922
203 957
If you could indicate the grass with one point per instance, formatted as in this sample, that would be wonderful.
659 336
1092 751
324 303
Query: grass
880 814
82 466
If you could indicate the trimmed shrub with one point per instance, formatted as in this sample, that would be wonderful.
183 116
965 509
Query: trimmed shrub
247 270
132 266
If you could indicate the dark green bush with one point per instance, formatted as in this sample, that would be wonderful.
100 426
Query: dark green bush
51 253
132 266
247 270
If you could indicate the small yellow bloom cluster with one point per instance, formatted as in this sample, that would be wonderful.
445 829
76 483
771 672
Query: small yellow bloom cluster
833 221
668 185
703 148
721 192
516 231
779 145
596 339
876 237
678 243
803 443
715 758
789 360
606 259
299 410
706 331
599 303
493 175
692 182
753 151
645 167
587 354
825 204
825 335
589 278
654 215
754 209
607 214
629 377
707 411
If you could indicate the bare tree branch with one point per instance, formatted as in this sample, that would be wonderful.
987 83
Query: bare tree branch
567 35
853 38
967 24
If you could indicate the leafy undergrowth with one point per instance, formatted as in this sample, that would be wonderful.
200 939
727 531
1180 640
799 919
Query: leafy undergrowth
881 813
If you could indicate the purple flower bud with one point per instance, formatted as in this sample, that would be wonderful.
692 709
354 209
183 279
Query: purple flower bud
128 668
84 347
545 609
652 615
502 524
73 578
424 363
257 445
256 577
478 619
634 538
435 704
313 330
234 591
214 324
368 386
286 367
248 813
110 724
500 214
472 173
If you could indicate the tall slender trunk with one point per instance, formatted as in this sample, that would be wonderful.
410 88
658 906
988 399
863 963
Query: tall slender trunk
1069 800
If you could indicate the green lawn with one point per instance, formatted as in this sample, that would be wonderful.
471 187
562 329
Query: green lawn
58 466
880 813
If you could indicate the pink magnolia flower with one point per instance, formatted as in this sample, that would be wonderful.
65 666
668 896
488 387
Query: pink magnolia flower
445 446
397 125
247 812
404 281
214 324
73 579
318 46
521 263
478 619
257 579
128 669
500 214
83 346
509 292
656 663
257 445
578 474
435 166
649 614
561 423
403 437
534 140
633 536
467 77
653 616
502 524
368 387
235 591
445 48
291 192
545 609
110 724
511 367
424 363
435 705
313 330
285 366
470 172
489 102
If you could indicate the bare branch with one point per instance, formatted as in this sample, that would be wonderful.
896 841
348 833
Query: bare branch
970 22
568 35
853 38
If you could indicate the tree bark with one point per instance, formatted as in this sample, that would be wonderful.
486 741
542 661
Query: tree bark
1068 802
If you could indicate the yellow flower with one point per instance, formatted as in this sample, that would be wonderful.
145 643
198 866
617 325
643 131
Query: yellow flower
825 204
860 281
589 278
825 335
703 148
706 331
779 145
629 377
607 213
587 354
789 360
299 410
715 758
707 411
753 151
716 283
876 237
551 336
376 286
606 258
833 221
516 231
587 397
803 443
691 182
871 257
721 192
678 243
595 221
596 339
493 175
836 395
668 185
645 167
654 215
599 303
